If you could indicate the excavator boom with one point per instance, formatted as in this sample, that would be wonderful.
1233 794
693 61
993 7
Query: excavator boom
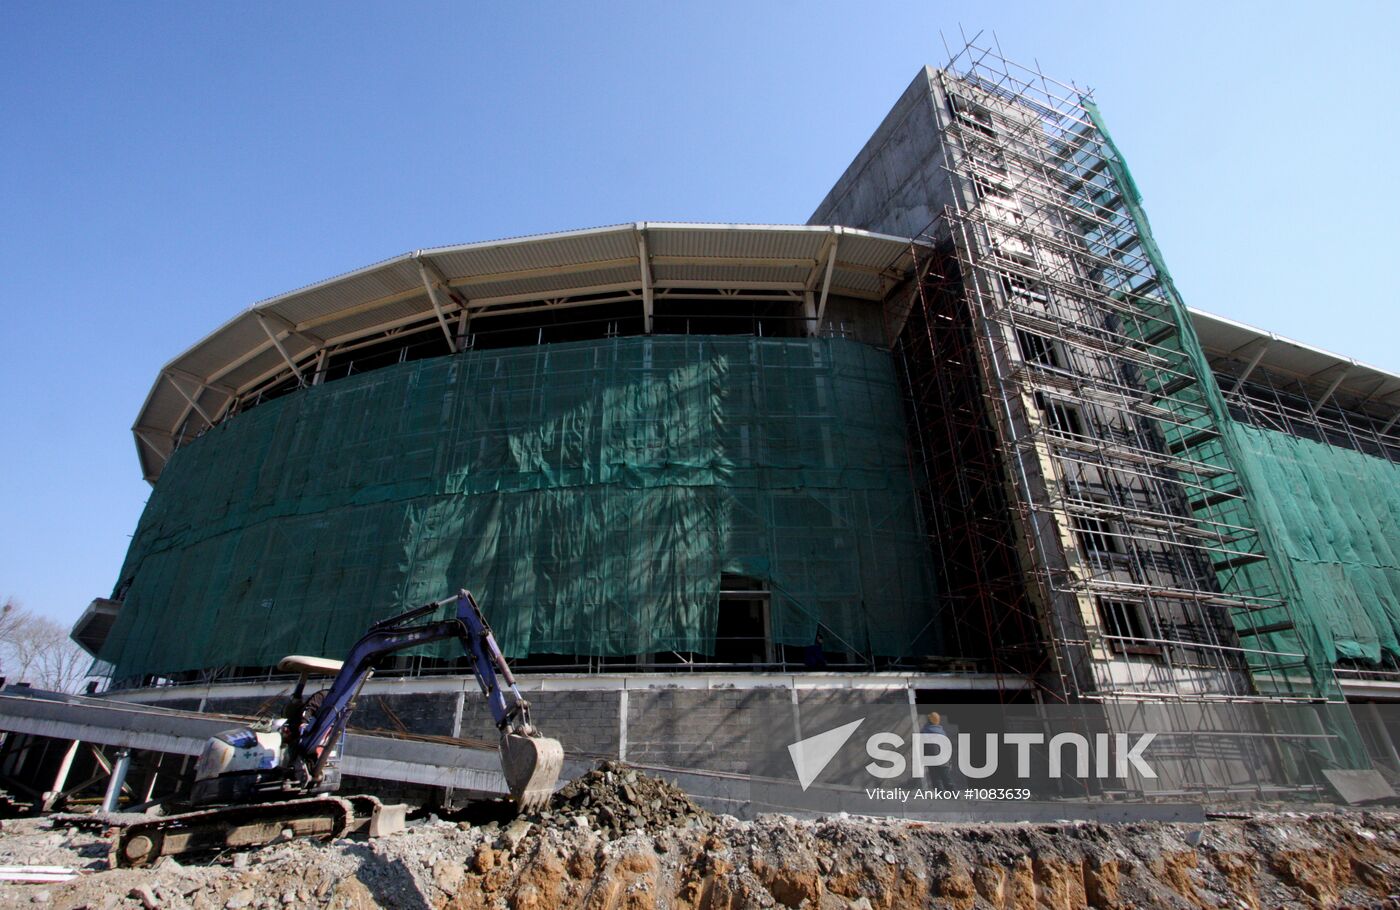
269 781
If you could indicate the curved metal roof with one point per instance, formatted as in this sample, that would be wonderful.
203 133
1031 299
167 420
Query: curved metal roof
641 261
1322 373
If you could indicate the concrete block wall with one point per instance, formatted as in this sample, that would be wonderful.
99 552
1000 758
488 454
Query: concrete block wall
428 713
585 722
708 729
896 184
708 726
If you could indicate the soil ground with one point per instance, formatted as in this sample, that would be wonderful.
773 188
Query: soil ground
592 850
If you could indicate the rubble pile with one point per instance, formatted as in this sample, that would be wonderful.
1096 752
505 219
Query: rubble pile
615 800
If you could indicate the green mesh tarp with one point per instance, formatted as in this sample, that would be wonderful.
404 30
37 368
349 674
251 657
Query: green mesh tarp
1335 514
1326 517
591 494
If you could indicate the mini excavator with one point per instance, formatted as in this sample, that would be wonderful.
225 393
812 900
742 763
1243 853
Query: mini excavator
254 785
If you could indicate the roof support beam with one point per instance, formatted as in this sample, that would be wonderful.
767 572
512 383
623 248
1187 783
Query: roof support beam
281 349
1328 394
437 306
190 398
200 382
291 327
152 446
1390 423
464 325
814 274
644 263
550 271
224 408
826 282
1253 362
809 311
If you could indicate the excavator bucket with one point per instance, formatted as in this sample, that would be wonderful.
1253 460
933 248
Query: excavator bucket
531 765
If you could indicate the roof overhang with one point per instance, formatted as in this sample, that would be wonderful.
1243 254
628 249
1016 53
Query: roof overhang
93 627
1323 374
645 260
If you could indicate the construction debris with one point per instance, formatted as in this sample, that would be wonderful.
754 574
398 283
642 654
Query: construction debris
36 873
1326 859
615 800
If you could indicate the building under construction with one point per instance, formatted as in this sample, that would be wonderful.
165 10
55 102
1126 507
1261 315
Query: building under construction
956 439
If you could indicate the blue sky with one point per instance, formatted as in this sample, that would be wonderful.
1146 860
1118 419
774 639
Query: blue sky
166 165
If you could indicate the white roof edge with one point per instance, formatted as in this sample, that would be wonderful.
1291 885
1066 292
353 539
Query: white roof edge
624 227
621 228
1283 339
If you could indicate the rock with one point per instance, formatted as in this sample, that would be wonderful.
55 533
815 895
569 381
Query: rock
239 899
616 800
40 897
516 832
447 876
484 860
240 861
146 896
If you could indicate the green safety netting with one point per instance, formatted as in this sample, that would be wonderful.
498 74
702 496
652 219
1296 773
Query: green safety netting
1330 570
1327 517
1335 514
591 494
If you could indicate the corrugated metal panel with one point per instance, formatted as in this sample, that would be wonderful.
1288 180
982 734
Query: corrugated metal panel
393 279
550 284
208 357
163 408
719 274
256 367
735 244
877 252
865 282
536 253
355 323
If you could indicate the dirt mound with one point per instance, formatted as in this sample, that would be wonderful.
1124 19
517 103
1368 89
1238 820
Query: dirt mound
1322 860
615 799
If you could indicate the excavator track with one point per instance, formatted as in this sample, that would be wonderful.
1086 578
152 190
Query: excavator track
324 817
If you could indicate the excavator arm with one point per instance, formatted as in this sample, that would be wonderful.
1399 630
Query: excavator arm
265 782
531 763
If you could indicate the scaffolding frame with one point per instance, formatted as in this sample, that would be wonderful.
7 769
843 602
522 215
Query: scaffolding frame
1273 401
1034 288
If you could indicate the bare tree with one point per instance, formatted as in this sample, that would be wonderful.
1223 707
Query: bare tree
37 650
62 666
13 617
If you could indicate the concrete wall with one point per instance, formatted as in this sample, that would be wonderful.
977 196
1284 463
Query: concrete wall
702 723
896 184
706 729
846 317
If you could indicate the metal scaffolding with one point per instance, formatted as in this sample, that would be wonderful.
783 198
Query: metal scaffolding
1084 510
1282 403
